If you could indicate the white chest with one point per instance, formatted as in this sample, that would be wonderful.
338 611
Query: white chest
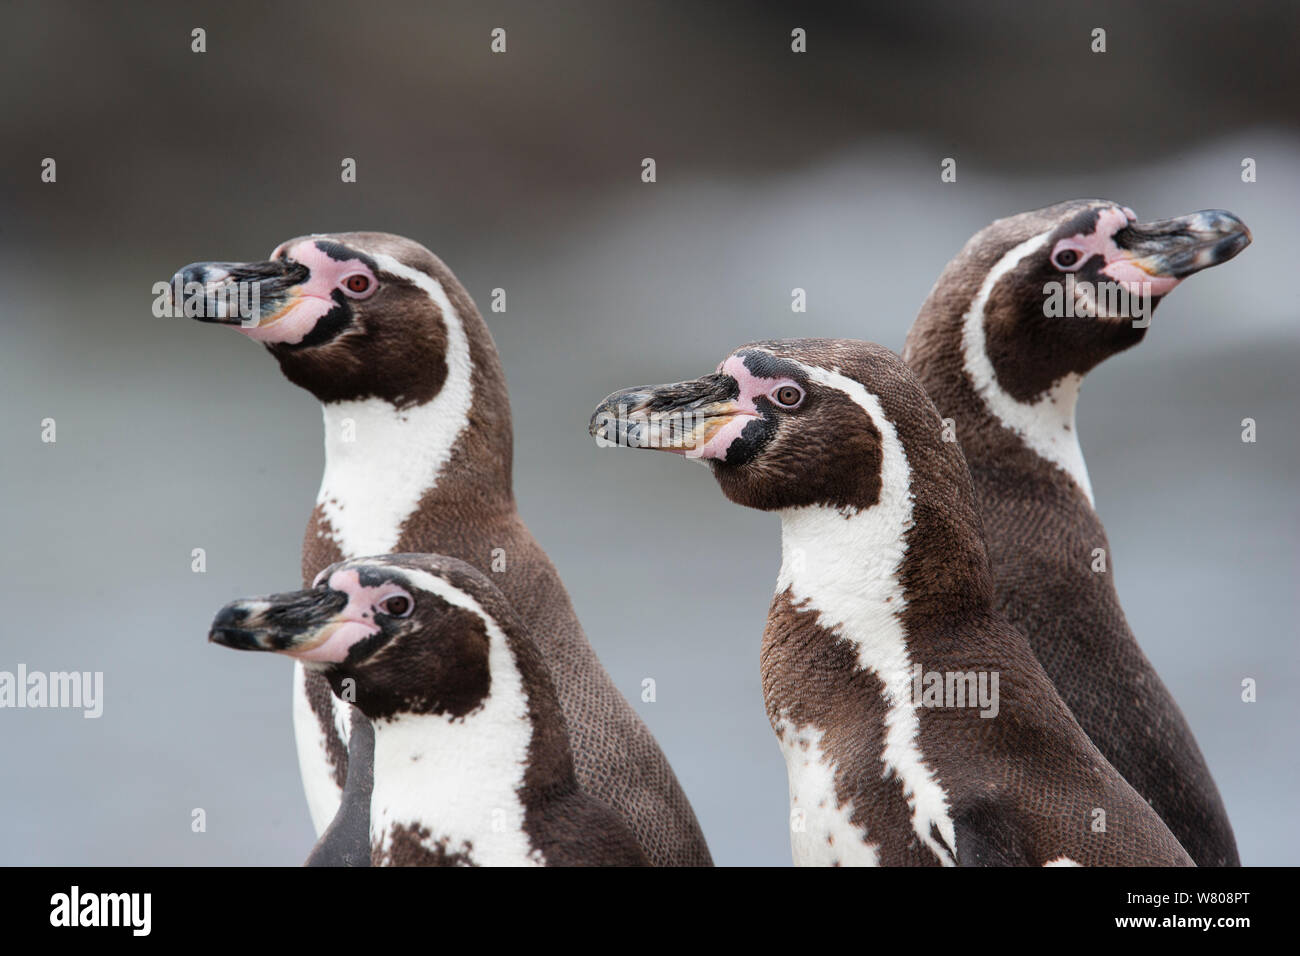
459 779
432 778
821 830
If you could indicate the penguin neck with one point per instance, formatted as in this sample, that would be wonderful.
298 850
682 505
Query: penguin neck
846 566
841 583
876 576
384 463
454 784
918 547
473 784
948 348
1046 426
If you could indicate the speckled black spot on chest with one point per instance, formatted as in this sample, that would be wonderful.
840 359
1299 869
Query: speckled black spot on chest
412 845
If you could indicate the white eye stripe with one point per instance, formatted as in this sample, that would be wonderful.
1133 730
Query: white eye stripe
1048 425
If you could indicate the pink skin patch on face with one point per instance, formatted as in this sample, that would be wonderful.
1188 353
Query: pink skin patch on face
354 623
311 300
751 387
1119 264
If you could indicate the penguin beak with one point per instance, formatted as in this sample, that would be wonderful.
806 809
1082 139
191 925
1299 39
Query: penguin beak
682 418
1173 249
244 294
296 623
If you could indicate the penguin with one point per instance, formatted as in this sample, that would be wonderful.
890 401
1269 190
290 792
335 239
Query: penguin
917 727
1003 361
472 765
418 457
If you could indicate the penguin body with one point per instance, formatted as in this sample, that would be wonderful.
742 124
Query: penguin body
418 458
1005 368
472 765
917 727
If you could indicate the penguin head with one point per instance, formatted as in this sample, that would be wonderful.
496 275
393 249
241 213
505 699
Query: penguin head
348 315
790 423
1059 289
401 633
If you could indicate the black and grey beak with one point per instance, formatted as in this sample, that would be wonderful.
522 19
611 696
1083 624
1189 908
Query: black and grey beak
680 418
1177 248
247 294
298 620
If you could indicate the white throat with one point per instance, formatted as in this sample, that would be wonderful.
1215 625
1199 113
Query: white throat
379 461
846 567
459 778
1047 425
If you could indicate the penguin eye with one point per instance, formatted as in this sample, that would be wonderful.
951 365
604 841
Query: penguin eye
1066 258
358 284
787 396
399 605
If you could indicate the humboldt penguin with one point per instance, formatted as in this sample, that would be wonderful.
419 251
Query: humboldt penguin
1025 310
916 724
472 765
418 457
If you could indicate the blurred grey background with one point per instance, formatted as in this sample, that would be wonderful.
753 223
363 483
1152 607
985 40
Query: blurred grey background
522 171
